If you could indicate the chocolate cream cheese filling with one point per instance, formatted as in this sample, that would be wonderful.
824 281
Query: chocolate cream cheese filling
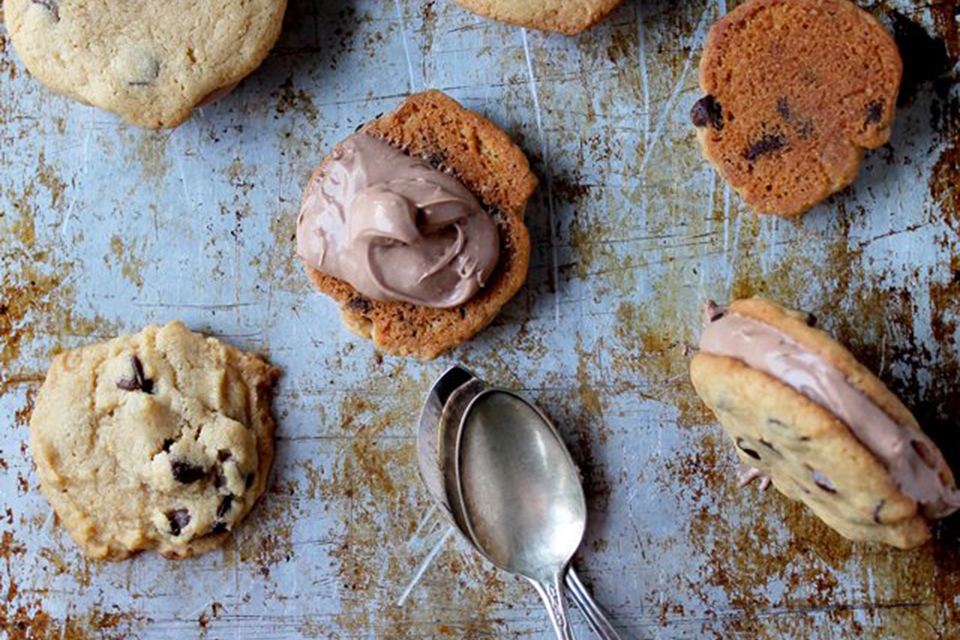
910 457
396 228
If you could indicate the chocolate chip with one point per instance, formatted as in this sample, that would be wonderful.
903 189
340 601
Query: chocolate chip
360 304
805 129
750 452
248 482
179 519
769 445
769 143
138 382
877 509
51 6
167 444
714 312
219 480
186 473
874 112
218 527
225 506
435 161
223 455
707 111
811 320
822 481
148 73
783 108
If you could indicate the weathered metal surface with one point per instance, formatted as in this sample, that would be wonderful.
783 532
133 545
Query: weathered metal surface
105 228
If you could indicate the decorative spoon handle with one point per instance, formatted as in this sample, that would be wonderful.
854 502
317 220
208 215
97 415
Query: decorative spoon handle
588 606
552 595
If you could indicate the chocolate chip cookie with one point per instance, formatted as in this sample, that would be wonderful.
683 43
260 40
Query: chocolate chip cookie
158 440
149 62
569 17
794 92
801 410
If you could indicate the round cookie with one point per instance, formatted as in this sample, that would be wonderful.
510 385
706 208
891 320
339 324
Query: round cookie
149 62
569 17
158 440
794 92
435 127
806 450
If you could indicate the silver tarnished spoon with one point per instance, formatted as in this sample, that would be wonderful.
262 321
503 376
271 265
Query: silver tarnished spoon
440 423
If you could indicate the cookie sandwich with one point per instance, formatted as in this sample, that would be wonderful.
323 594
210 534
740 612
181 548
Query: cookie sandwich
150 62
803 413
794 92
414 226
569 17
158 440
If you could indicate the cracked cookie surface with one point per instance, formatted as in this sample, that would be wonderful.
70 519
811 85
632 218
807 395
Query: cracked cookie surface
794 92
149 62
157 440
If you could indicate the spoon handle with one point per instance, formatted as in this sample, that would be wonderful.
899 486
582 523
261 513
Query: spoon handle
588 606
552 595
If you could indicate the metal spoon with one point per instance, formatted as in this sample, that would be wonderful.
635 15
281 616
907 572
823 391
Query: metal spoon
440 423
522 499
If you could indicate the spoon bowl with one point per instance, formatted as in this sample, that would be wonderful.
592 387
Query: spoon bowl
523 504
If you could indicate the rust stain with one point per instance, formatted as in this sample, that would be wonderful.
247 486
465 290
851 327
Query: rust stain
945 185
657 352
130 260
25 298
428 20
149 151
278 263
267 535
49 178
21 417
291 100
23 617
946 24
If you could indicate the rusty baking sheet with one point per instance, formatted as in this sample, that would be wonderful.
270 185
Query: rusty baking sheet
106 228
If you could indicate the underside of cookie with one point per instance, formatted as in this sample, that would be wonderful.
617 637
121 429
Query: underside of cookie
569 17
808 453
151 63
159 440
794 92
436 128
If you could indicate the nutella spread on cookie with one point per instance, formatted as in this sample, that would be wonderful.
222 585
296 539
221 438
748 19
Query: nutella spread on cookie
396 228
908 455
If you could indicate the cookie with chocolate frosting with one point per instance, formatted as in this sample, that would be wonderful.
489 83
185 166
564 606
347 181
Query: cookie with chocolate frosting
414 226
569 17
794 91
150 62
803 412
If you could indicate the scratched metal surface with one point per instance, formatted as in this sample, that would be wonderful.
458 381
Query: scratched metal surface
105 228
